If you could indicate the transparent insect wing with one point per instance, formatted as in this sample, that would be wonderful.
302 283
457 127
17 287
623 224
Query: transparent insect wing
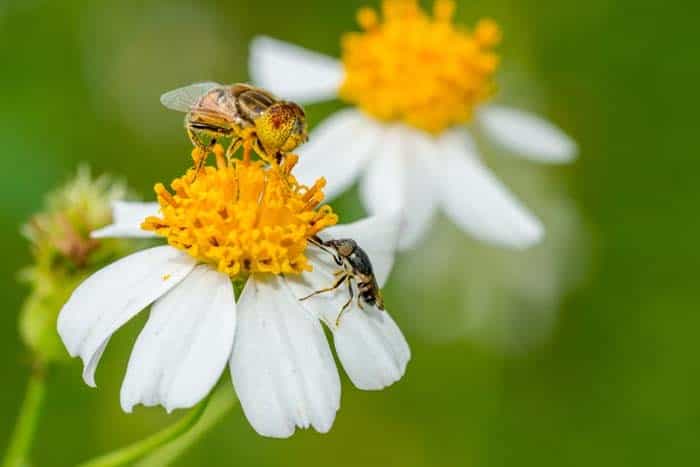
183 99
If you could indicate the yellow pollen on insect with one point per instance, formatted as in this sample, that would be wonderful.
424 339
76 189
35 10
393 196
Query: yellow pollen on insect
244 218
419 69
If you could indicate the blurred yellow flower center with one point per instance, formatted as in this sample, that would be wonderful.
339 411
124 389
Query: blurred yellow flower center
421 70
244 218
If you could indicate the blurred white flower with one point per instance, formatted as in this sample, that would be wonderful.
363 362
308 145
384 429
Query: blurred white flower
415 80
241 223
501 300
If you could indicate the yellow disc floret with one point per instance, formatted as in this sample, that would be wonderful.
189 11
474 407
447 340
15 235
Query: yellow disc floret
421 70
242 218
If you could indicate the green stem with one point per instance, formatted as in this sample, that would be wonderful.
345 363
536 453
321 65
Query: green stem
222 402
140 449
22 437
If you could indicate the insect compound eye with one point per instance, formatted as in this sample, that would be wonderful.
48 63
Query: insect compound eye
299 126
345 247
298 109
274 128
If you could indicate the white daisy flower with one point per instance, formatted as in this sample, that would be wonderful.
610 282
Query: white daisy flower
234 223
414 81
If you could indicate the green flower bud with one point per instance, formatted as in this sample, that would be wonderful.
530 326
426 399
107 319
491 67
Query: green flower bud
64 254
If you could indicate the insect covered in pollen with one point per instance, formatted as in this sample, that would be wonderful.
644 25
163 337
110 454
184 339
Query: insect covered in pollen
356 271
251 117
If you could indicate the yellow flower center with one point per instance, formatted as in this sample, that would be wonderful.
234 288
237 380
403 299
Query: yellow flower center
243 218
421 70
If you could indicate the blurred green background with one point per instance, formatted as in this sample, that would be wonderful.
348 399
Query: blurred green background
599 367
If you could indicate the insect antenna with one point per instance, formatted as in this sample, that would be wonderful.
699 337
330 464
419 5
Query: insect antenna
318 242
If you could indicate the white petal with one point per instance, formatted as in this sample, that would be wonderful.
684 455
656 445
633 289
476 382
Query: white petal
282 367
420 193
478 202
370 346
105 301
527 134
292 72
126 220
185 345
382 189
377 235
121 231
132 212
401 179
337 150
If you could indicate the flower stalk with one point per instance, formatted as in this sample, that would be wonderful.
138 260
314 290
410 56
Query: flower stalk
25 428
223 401
137 451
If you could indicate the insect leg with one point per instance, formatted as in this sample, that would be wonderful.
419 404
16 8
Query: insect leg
335 285
359 302
260 150
347 304
204 148
200 163
246 151
193 137
232 148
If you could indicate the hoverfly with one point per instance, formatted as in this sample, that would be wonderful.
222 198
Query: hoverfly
250 116
356 267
